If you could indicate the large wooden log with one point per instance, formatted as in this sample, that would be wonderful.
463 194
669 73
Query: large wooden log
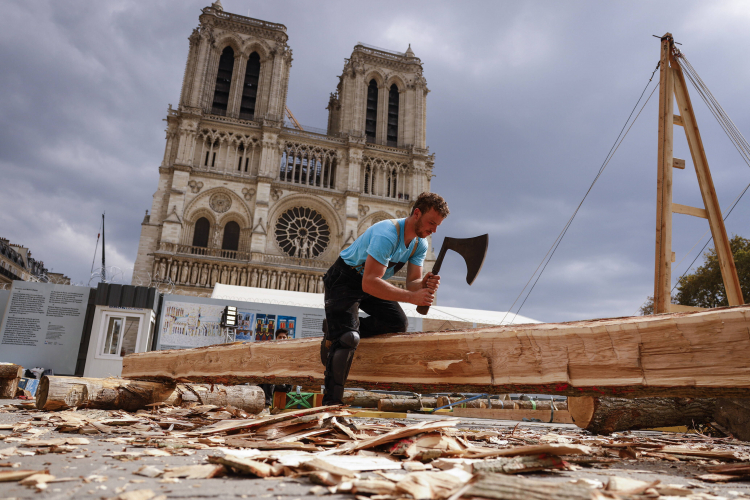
698 354
60 393
734 416
10 374
608 415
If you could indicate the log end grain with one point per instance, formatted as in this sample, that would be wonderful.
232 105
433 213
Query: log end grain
581 410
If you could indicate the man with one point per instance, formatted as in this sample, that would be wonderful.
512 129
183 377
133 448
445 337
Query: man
357 280
269 389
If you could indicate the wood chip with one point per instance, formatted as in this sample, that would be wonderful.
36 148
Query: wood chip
243 465
195 471
149 471
17 475
321 465
373 487
136 495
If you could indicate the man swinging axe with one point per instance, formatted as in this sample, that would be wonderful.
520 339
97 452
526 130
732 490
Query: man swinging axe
357 280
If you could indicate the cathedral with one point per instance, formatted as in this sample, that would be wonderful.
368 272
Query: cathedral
249 197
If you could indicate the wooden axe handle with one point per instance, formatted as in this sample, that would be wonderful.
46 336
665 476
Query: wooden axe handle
436 271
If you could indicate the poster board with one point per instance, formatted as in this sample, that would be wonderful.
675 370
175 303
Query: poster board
43 324
188 322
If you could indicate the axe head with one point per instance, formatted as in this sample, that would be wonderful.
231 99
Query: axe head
473 250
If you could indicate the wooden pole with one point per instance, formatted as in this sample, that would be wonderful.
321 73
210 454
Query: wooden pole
706 184
663 274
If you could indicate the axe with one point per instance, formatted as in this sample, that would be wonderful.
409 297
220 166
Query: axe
473 250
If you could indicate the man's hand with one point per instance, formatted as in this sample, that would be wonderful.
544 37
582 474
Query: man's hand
422 297
431 281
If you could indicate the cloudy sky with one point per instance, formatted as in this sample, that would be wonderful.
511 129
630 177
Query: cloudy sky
526 101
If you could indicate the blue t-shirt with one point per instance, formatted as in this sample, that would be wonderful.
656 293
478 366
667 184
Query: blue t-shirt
385 242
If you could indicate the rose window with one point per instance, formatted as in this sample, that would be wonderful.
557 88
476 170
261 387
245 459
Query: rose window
302 232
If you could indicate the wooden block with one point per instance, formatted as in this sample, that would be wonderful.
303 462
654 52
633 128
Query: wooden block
701 354
559 417
678 120
694 211
678 163
279 400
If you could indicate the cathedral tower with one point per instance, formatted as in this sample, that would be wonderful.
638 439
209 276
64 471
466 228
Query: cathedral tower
246 198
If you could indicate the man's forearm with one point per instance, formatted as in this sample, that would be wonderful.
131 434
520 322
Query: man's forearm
378 287
414 285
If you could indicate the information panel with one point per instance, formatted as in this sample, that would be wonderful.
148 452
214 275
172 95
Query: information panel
42 325
196 324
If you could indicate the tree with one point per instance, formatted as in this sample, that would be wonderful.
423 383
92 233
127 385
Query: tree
705 287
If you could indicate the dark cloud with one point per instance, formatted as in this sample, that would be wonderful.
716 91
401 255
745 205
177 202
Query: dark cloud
527 99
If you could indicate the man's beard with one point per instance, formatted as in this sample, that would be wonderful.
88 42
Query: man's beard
419 229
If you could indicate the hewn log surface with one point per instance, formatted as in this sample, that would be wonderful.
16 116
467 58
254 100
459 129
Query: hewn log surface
700 354
608 415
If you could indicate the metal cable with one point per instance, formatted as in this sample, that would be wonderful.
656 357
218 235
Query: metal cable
615 146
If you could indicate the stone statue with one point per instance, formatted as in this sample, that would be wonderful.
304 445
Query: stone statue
233 276
264 279
254 278
243 277
217 238
295 247
162 269
194 274
321 286
272 283
173 271
214 275
305 248
185 272
224 275
204 274
293 282
282 281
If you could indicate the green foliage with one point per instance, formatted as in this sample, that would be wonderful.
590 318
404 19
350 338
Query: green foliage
705 287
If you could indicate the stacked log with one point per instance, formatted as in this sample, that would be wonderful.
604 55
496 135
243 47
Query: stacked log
60 393
404 404
10 375
608 415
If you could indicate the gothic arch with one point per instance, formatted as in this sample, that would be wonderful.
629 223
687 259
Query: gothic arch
372 219
321 206
398 81
233 216
376 75
229 40
256 46
201 202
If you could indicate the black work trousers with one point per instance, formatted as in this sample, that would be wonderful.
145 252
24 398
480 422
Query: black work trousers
344 298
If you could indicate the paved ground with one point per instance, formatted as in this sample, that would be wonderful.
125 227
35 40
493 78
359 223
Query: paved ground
115 476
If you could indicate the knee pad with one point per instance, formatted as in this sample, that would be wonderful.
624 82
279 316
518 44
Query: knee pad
340 357
349 340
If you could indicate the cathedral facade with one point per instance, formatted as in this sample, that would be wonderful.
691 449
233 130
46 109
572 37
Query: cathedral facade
246 197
